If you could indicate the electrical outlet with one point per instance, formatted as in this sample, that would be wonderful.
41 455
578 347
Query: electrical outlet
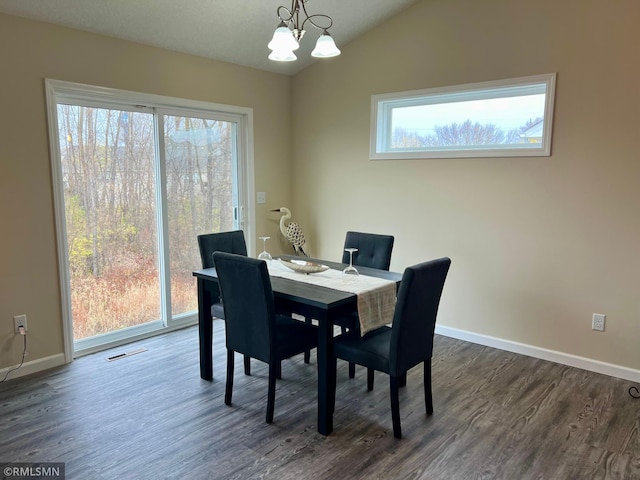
20 320
597 323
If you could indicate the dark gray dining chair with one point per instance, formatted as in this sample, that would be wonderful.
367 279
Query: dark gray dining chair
253 327
230 242
408 342
374 250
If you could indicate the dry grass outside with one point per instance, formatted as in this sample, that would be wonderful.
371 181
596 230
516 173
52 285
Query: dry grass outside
115 301
184 293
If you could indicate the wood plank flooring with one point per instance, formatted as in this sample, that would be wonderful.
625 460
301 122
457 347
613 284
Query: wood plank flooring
497 415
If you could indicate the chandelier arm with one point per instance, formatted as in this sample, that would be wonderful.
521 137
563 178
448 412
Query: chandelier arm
311 17
290 13
319 27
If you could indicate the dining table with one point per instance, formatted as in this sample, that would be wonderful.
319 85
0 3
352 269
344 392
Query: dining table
294 296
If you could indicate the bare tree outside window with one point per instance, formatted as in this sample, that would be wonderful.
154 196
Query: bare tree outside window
463 134
199 161
110 192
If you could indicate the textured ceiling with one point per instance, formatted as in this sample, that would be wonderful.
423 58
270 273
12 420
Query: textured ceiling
234 31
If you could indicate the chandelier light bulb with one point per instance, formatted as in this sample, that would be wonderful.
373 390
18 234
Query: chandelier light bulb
283 56
325 47
283 39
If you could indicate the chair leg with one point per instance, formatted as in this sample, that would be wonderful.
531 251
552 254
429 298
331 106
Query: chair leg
271 393
402 380
333 365
370 372
307 353
229 387
395 406
428 393
278 368
247 365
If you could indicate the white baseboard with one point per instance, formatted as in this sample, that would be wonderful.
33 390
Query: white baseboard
38 365
536 352
542 353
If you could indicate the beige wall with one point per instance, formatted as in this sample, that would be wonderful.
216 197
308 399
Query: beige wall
31 52
537 244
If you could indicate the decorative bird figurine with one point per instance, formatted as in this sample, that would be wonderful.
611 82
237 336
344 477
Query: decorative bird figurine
292 232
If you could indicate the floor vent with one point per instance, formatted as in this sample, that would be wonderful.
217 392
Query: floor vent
126 354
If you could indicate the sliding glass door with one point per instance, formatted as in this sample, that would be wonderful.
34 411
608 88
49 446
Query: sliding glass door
136 181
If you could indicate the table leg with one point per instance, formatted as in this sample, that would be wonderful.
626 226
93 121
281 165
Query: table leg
205 330
326 377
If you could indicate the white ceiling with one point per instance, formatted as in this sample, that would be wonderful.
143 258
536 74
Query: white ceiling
235 31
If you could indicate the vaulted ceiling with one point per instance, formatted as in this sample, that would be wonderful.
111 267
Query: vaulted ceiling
235 31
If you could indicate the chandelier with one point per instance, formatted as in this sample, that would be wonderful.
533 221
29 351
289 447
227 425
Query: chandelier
286 39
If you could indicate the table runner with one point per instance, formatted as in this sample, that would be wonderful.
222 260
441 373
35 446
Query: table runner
376 296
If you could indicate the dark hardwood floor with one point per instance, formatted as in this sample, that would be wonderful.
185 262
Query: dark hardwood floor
497 415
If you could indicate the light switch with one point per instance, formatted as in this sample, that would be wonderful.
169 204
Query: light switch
262 197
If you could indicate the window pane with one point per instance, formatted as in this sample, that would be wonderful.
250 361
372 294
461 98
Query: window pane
469 124
200 160
107 159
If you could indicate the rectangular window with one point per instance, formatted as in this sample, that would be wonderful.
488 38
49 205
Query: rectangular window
504 118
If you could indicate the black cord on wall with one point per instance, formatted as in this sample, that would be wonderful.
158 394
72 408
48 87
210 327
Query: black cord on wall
24 354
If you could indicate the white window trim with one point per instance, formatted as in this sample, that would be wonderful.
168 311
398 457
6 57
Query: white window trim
57 91
380 124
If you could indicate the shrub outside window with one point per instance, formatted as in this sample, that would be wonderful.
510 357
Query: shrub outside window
504 118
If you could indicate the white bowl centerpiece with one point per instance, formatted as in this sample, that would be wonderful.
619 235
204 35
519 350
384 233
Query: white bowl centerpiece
303 266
